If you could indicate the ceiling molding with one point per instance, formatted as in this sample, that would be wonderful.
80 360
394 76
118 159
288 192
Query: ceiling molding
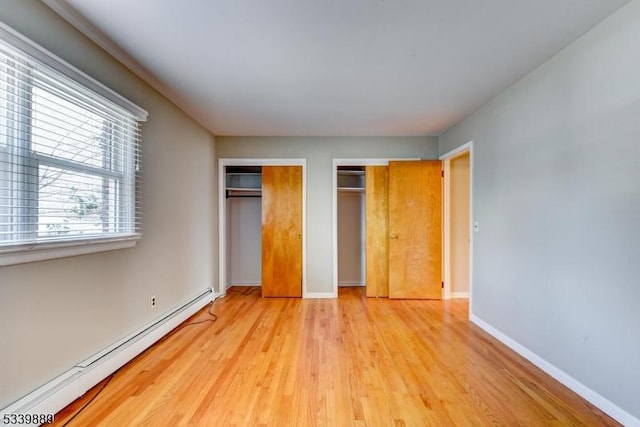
69 14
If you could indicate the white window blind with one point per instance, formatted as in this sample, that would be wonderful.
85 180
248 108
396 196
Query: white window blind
69 156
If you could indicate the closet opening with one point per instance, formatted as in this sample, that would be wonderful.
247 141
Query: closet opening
262 216
360 224
243 194
351 226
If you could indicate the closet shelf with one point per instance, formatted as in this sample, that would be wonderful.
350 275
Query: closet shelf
244 173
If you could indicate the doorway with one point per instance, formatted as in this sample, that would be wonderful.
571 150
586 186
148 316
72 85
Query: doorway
458 235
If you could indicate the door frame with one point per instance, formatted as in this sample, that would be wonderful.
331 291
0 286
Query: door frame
350 162
446 247
222 212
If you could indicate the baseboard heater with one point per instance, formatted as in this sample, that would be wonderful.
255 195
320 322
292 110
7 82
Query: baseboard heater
53 396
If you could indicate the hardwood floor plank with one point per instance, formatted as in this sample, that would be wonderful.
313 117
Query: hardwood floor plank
349 362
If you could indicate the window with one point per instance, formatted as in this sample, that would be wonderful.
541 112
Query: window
69 153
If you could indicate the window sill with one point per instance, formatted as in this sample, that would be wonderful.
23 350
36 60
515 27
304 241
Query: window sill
44 251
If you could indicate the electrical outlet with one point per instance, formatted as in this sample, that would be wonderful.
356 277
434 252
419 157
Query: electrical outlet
153 301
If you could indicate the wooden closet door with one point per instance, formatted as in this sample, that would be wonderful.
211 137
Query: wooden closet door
415 229
282 231
377 230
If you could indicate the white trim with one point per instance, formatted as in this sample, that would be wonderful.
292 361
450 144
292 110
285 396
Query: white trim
349 283
446 158
222 211
242 283
459 295
43 251
64 389
457 151
446 230
320 295
585 392
45 159
350 162
41 54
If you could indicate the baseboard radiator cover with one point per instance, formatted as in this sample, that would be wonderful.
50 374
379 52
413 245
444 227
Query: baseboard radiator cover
56 394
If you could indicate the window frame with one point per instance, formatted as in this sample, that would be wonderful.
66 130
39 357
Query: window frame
51 248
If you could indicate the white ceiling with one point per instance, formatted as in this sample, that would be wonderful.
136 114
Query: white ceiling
333 67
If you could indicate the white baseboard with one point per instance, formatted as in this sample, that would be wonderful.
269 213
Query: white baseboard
459 294
350 283
244 283
319 295
604 404
53 396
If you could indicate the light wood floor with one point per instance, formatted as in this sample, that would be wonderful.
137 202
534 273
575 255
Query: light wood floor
346 362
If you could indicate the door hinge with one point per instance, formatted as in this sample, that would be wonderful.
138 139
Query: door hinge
442 285
442 173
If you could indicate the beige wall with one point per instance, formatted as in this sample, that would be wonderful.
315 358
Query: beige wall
54 314
319 153
459 170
